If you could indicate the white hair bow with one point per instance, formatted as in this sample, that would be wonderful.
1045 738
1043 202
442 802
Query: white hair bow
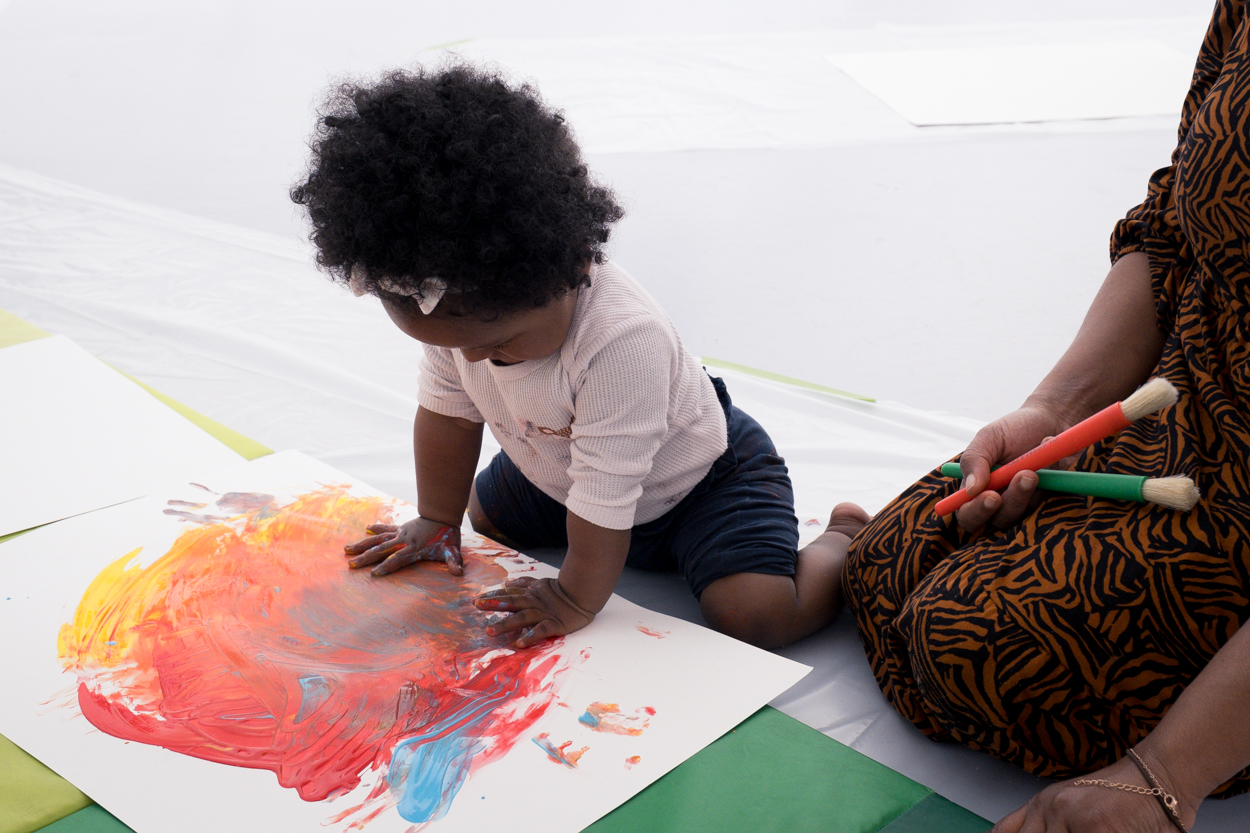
431 290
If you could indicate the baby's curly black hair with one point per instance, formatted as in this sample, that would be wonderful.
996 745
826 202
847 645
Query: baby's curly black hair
455 173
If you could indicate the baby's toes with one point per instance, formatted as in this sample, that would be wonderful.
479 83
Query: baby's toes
847 518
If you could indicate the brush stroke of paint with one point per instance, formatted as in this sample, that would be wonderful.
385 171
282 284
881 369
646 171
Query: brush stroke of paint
251 643
560 754
607 717
649 632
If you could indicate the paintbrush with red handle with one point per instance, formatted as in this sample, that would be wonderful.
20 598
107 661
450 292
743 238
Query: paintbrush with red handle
1153 396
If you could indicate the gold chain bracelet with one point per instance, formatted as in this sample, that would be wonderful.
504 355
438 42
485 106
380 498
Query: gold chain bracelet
1170 805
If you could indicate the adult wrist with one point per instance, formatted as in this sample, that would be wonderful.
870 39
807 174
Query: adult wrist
1179 781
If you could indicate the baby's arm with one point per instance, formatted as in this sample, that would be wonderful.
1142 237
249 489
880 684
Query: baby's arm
446 450
543 608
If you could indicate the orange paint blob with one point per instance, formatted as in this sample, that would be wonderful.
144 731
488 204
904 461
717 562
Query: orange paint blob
607 717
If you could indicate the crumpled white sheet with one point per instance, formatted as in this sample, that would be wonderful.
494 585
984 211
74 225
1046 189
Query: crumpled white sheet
238 325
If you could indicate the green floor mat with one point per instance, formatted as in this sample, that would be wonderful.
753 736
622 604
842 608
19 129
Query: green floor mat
771 773
937 815
93 819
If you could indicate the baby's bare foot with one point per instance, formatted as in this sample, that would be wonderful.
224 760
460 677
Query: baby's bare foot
847 518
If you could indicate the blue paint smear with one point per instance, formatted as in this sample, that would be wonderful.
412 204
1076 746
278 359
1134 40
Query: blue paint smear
316 691
428 770
589 719
431 773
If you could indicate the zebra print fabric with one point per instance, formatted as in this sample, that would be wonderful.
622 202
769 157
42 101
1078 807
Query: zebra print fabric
1061 642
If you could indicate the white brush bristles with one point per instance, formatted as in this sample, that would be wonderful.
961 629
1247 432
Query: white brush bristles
1153 396
1173 492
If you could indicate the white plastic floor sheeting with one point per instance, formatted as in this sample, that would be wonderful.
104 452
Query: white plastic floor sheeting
239 326
807 230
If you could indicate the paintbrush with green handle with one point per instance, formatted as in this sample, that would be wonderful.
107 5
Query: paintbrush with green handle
1173 492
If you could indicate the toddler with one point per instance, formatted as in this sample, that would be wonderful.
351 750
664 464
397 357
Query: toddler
461 201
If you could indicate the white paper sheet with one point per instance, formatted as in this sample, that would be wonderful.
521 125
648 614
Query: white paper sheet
1025 82
679 685
76 435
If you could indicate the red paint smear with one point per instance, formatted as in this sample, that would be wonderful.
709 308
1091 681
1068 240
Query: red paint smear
632 761
649 632
560 754
209 645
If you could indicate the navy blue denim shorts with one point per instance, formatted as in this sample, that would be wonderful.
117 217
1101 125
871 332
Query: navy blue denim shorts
738 519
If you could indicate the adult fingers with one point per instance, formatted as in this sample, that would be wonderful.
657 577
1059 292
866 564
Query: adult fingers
402 558
1012 822
1015 500
986 448
977 512
367 543
375 554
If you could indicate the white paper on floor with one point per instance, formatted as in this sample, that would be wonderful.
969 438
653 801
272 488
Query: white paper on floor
76 435
1025 82
220 619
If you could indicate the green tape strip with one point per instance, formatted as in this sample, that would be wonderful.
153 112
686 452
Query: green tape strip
777 377
447 45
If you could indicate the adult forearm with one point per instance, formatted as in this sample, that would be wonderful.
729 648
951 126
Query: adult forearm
446 451
1115 350
1204 739
593 563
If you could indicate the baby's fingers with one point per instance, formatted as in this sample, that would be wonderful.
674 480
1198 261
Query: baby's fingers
545 629
367 543
523 619
505 599
399 559
375 554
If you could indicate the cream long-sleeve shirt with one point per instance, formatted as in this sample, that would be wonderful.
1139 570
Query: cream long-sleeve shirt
619 424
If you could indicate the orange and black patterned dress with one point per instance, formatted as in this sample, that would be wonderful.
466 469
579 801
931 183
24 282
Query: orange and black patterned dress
1060 642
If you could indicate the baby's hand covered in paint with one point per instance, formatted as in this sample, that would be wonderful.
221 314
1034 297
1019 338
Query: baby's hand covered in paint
540 609
398 546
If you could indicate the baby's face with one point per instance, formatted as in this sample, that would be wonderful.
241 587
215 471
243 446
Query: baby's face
519 337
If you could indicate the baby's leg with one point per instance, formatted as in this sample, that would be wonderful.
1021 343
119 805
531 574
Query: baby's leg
505 507
774 610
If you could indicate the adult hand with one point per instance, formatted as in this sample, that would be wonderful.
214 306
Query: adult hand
1067 808
539 606
398 546
1002 441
